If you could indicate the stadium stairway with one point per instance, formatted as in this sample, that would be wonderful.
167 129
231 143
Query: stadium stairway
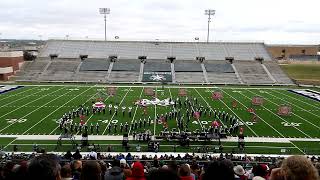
269 74
141 72
251 72
47 66
109 71
237 73
78 68
173 74
205 75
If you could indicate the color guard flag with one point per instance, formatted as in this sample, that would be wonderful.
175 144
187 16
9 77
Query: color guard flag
250 110
82 122
234 103
215 123
82 117
196 115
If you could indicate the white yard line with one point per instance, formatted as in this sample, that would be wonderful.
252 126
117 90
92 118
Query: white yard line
297 99
9 144
30 102
17 93
135 111
115 112
200 117
174 109
294 113
55 110
11 102
86 122
208 104
155 115
238 115
277 116
256 115
82 104
29 112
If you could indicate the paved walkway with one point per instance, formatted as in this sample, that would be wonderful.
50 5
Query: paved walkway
119 138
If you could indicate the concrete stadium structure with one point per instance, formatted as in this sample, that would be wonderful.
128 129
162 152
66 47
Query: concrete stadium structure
136 61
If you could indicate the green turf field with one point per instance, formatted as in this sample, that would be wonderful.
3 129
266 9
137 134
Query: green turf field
35 110
303 73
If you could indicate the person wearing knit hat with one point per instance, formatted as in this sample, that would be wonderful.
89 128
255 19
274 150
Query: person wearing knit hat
123 161
239 173
125 168
258 178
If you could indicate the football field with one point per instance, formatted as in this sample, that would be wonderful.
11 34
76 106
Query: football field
35 111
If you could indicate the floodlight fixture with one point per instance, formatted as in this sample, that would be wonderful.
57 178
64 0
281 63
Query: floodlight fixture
209 12
105 11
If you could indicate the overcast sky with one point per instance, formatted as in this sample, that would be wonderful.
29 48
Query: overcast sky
271 21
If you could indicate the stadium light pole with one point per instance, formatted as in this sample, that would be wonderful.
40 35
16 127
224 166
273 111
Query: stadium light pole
209 12
105 11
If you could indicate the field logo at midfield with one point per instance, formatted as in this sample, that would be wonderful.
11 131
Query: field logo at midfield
154 101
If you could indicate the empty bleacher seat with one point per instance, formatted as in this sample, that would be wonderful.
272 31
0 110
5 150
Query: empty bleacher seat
95 65
157 67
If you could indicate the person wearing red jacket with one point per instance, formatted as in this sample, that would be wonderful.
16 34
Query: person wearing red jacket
137 172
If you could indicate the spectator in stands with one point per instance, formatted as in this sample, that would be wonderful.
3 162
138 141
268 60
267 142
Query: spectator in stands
68 155
20 170
91 171
66 172
219 169
261 170
77 155
93 155
295 168
115 173
103 166
239 173
125 168
162 174
76 167
317 165
173 166
137 172
184 172
44 167
7 170
195 169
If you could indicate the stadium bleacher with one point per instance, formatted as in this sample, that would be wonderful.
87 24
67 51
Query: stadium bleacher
128 68
95 65
187 67
252 72
218 67
154 66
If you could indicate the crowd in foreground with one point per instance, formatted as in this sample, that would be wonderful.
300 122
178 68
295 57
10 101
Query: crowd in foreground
52 167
